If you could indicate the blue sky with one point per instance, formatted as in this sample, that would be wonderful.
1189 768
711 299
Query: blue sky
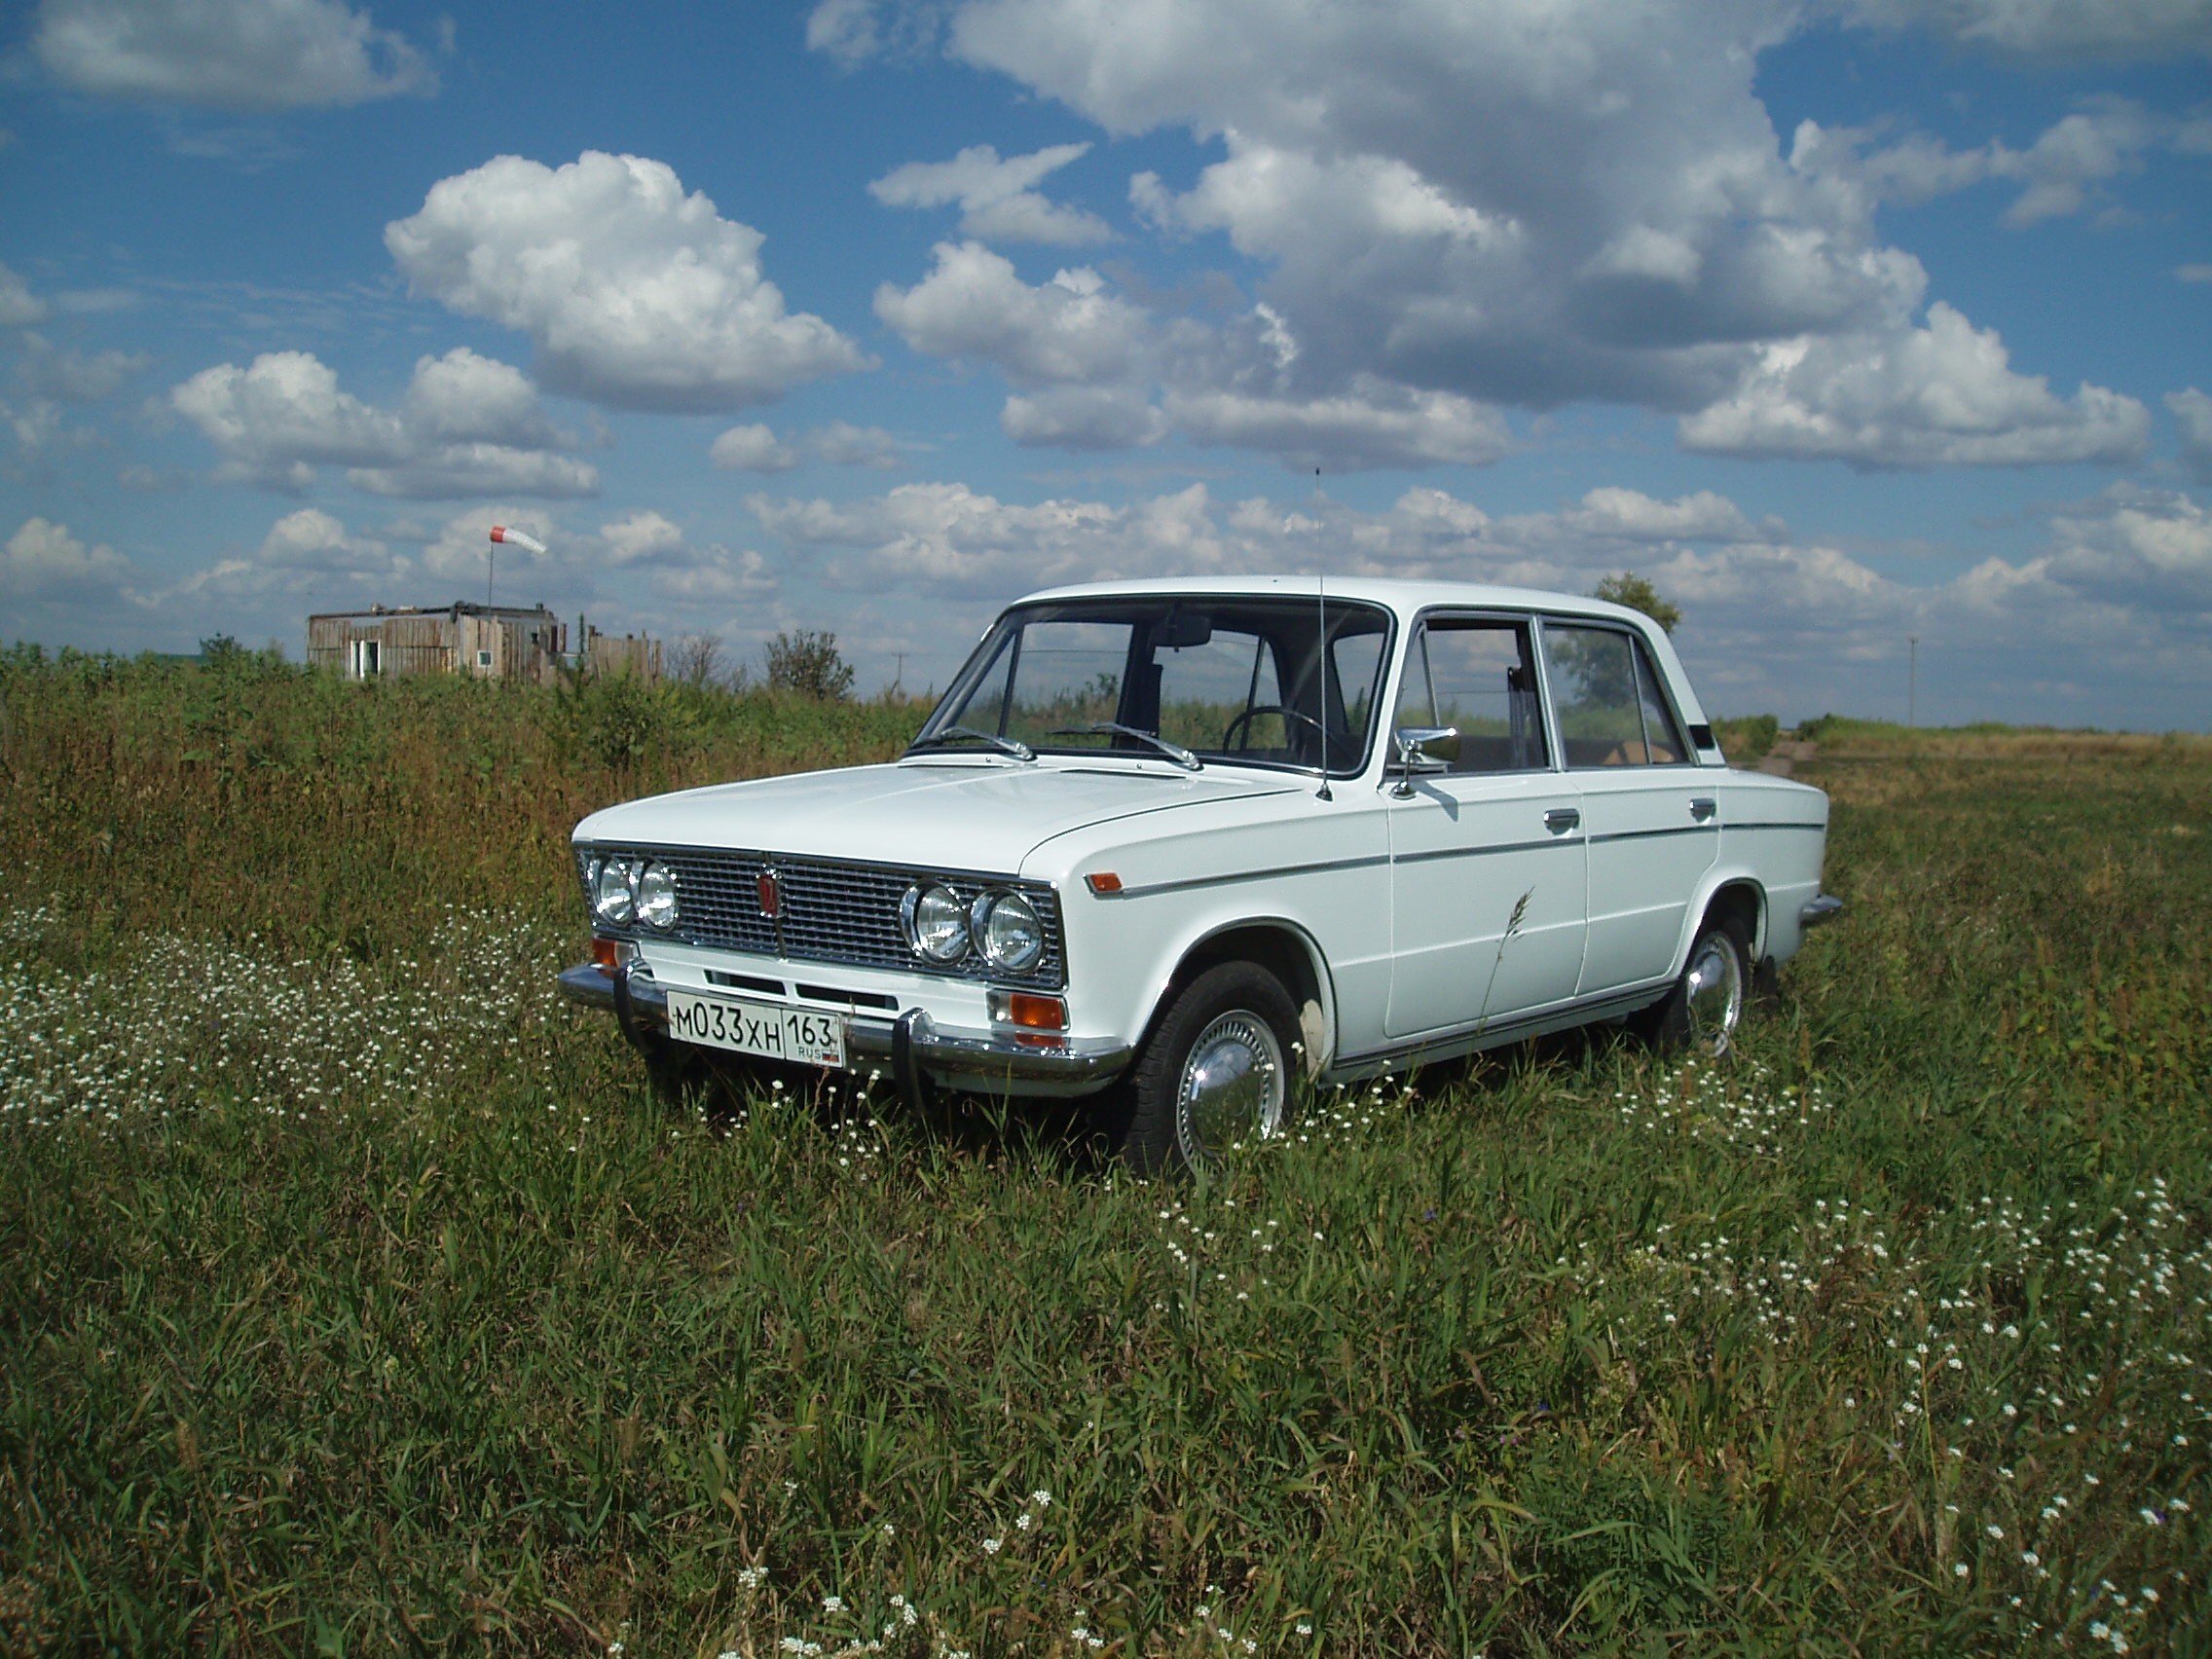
1845 322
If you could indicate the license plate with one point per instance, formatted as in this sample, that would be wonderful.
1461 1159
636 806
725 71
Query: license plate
770 1030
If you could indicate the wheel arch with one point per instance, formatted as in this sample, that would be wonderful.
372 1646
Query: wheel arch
1737 896
1282 948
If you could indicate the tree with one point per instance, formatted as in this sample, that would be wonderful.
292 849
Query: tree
699 664
807 662
1634 591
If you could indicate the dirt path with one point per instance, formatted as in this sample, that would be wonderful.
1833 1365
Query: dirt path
1782 759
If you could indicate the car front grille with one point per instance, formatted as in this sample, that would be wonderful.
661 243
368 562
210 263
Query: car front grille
826 911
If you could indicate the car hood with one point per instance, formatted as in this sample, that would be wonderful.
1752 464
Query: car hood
985 816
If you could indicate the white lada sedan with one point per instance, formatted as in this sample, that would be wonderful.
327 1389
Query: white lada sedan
1187 839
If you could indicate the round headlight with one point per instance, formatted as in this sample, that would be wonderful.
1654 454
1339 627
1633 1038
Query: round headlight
611 901
656 896
937 923
1012 937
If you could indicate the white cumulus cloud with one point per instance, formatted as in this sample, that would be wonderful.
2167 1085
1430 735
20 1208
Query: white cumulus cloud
951 538
18 303
228 53
1092 365
998 199
752 447
1517 204
1374 424
2118 591
71 376
1084 417
643 537
313 540
633 293
2191 411
469 425
1942 395
2063 172
974 304
42 560
2060 30
756 448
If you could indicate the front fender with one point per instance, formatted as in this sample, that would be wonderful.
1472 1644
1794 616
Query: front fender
1273 942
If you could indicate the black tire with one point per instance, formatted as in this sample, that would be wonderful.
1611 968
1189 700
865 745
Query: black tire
1215 1071
1702 1012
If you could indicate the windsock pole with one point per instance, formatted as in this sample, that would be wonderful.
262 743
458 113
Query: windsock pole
528 542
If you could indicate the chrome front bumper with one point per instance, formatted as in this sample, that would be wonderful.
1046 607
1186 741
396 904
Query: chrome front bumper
1826 908
912 1048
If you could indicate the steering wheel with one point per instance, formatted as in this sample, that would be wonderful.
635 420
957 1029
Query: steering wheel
1244 721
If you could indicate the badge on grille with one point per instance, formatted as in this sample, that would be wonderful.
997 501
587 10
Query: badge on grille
771 890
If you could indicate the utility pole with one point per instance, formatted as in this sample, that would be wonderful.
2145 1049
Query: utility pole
1912 684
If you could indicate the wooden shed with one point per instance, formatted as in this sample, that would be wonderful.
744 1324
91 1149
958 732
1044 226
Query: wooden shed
493 642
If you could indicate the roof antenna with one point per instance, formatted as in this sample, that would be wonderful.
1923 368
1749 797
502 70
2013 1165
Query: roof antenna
1321 646
1321 649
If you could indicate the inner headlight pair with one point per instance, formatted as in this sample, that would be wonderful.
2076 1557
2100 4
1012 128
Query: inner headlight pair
633 890
942 927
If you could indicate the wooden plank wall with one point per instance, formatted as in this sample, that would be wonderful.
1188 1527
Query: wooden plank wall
529 647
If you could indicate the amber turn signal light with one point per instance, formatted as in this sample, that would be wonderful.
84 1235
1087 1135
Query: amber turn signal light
1029 1010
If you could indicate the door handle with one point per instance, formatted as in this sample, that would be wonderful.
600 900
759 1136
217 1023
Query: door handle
1703 807
1561 818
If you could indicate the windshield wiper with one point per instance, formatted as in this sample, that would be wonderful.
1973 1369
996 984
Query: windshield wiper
1012 746
1174 751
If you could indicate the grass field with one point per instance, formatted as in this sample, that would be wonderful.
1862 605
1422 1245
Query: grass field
356 1297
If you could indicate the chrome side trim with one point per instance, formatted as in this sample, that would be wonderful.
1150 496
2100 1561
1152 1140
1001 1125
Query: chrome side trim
1495 1034
1814 911
1230 878
1656 835
1436 855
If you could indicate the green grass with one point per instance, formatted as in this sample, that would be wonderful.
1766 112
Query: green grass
355 1297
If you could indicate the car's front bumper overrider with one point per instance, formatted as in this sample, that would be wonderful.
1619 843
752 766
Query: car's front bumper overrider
911 1048
1815 911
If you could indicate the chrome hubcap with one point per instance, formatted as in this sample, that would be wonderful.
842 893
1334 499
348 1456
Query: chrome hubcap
1232 1087
1715 994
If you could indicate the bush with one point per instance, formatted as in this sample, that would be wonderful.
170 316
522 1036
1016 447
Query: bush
1748 738
807 662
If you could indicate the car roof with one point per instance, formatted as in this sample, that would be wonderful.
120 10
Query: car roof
1402 594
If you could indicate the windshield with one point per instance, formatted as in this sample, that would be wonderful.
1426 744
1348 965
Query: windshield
1190 680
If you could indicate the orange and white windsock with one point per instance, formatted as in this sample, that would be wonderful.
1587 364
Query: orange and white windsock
521 538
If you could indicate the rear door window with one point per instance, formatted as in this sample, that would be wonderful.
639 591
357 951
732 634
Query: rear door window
1607 700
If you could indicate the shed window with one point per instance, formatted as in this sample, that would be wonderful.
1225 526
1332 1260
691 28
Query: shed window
483 659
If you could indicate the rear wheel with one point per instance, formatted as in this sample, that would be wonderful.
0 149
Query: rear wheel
1215 1073
1704 1007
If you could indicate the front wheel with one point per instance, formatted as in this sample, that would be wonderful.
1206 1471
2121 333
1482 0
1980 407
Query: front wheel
1215 1071
1706 1006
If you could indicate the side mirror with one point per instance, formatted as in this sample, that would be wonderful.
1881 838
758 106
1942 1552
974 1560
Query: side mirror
1423 749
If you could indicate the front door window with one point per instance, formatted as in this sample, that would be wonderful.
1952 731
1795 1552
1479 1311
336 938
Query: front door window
1486 854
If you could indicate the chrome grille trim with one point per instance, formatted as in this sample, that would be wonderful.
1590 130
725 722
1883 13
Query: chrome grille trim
832 910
